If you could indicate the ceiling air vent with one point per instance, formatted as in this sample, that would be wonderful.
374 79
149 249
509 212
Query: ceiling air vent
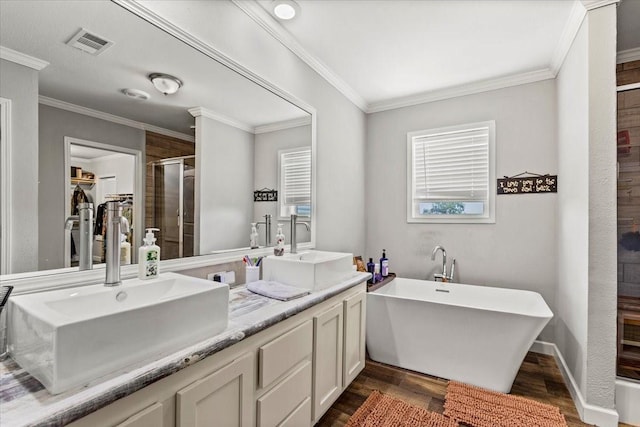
89 42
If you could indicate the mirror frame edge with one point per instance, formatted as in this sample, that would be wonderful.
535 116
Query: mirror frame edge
37 281
5 180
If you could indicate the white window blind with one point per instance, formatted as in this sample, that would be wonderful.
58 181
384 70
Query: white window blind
295 182
451 173
452 166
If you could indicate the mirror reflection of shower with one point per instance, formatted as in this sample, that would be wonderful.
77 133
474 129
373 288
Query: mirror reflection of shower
173 205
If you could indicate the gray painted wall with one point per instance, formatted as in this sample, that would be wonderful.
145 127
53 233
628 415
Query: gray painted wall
55 124
573 208
340 125
587 289
266 175
519 250
224 186
20 84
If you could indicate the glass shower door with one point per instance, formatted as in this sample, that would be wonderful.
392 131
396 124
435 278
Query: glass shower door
173 189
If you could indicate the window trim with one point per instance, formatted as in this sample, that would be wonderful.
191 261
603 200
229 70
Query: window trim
490 217
280 190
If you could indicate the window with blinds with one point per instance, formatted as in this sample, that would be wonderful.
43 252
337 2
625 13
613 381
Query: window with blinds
451 174
295 182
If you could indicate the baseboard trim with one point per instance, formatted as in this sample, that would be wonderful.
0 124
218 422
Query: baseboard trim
590 414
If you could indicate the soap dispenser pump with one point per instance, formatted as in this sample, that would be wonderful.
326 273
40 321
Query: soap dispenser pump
279 248
149 256
253 237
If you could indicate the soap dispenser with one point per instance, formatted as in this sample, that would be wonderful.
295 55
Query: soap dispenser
253 237
149 256
279 249
125 250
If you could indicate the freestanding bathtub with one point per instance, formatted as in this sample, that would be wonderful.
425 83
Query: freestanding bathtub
473 334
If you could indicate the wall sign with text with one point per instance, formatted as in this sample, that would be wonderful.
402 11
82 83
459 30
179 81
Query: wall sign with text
526 185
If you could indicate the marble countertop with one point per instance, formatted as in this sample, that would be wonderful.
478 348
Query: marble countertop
25 402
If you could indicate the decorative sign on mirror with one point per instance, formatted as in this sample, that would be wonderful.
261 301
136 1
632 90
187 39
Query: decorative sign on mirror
186 162
265 195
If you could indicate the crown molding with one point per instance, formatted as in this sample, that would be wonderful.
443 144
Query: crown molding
22 58
463 90
268 23
56 103
569 33
595 4
628 55
287 124
201 111
578 12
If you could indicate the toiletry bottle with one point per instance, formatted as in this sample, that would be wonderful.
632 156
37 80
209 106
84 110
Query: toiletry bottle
384 264
279 248
376 273
149 256
253 237
125 250
371 269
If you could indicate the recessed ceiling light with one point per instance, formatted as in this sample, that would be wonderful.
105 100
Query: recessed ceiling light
165 83
136 94
285 9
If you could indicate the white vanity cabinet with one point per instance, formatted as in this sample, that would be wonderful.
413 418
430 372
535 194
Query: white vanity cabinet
327 366
148 417
223 398
339 350
287 375
355 314
285 378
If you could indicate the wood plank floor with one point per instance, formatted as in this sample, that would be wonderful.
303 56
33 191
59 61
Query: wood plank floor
539 378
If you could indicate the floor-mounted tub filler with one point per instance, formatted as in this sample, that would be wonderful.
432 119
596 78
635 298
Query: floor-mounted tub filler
474 334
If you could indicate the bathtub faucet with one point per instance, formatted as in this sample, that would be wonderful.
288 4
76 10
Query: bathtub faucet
443 276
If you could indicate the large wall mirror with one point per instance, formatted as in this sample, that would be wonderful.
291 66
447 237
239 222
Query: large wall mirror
83 122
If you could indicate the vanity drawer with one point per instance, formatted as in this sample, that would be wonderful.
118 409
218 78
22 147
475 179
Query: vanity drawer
301 416
283 353
282 403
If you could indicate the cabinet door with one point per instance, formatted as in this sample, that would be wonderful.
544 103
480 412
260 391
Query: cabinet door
149 417
327 365
354 335
224 398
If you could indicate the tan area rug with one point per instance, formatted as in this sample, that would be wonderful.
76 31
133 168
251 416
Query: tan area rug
479 407
381 410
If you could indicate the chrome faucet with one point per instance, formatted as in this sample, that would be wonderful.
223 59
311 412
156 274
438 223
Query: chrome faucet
85 220
443 276
294 228
116 224
267 231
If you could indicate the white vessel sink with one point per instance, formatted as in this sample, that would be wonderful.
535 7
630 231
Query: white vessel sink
70 337
312 270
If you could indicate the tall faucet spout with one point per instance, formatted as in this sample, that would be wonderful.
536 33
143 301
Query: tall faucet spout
294 233
444 258
114 228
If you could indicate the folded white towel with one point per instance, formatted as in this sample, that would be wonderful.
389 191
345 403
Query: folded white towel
276 290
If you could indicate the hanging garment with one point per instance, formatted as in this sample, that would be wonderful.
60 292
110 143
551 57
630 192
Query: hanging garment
78 197
101 211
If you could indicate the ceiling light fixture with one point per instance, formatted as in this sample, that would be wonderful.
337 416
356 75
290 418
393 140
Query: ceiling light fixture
165 83
136 94
285 9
